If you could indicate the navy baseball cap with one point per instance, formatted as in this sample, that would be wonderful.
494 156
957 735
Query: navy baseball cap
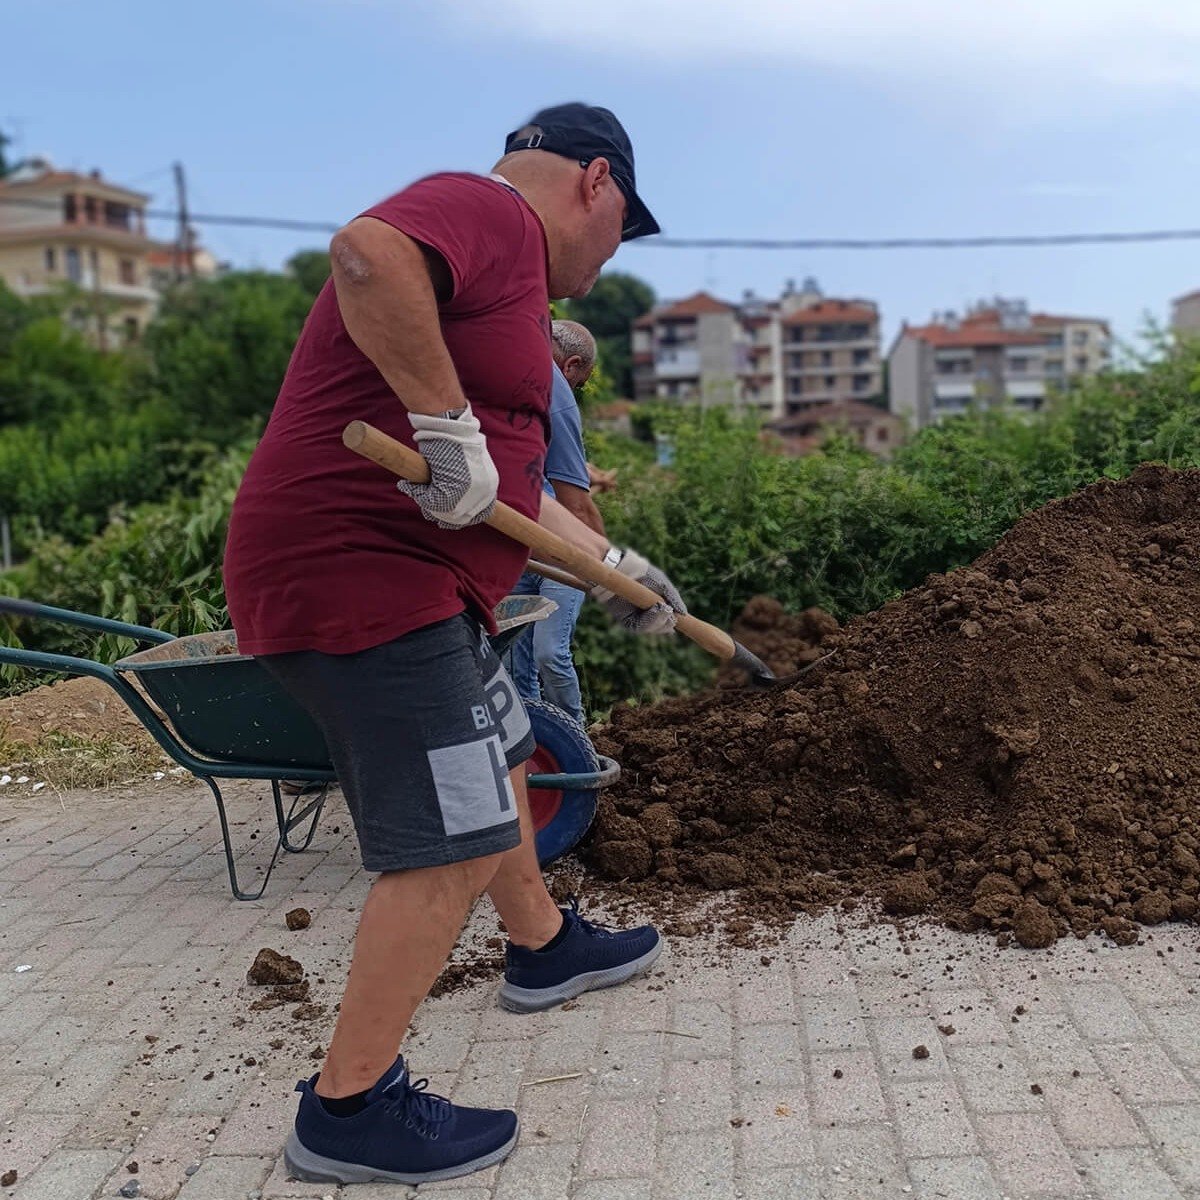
585 132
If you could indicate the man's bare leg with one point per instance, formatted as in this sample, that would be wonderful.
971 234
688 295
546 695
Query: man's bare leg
409 924
517 888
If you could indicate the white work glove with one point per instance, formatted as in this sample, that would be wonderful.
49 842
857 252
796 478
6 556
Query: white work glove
660 618
462 477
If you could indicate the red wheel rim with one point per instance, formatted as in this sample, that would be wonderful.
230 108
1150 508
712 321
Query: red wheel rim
544 803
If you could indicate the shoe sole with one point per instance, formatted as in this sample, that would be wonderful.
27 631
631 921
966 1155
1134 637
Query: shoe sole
527 1000
302 1163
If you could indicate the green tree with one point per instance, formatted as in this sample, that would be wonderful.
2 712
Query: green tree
219 348
310 269
609 311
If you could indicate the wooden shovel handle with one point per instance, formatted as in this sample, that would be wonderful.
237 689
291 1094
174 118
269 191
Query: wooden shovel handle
398 458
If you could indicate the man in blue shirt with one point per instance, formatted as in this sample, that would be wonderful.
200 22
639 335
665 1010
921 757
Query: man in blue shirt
542 667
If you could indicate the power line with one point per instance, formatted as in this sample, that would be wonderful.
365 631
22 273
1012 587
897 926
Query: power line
731 243
926 243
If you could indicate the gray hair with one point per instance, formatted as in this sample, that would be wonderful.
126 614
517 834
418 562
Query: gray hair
570 338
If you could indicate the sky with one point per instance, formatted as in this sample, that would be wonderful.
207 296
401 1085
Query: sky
749 118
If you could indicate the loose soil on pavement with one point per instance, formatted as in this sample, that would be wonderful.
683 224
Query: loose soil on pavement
1012 747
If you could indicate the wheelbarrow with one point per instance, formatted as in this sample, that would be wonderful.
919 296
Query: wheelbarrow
226 718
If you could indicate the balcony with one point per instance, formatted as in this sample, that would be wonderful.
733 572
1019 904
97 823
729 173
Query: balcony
677 363
960 391
1024 390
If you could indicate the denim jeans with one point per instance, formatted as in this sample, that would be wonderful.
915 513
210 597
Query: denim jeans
540 663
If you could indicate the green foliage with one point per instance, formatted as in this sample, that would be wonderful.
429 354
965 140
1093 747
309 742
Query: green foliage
310 269
608 311
219 348
159 565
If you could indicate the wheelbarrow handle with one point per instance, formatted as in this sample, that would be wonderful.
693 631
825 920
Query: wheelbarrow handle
14 607
398 458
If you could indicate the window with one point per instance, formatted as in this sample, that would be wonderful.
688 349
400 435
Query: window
74 269
70 212
1018 364
827 358
131 329
51 259
94 260
862 383
861 357
89 209
1054 339
830 382
1081 362
116 216
128 271
857 332
1079 337
881 434
795 386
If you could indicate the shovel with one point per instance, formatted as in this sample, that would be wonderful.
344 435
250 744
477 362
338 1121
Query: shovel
397 458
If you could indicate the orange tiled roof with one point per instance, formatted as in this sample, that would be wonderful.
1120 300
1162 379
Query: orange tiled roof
693 306
825 311
969 334
71 177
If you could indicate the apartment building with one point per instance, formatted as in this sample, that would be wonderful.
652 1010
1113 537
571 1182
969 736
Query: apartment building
830 352
61 227
997 353
780 356
1185 315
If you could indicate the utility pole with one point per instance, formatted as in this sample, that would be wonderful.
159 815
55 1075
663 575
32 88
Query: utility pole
184 264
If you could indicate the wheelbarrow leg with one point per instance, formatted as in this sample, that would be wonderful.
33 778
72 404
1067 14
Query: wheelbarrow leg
293 819
230 865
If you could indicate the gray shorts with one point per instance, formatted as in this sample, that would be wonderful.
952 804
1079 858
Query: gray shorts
423 731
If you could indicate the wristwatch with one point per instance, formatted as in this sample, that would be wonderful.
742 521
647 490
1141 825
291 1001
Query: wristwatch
613 556
452 414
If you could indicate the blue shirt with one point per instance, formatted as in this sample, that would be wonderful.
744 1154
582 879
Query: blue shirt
565 458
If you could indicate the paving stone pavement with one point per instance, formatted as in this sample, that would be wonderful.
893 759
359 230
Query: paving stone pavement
782 1072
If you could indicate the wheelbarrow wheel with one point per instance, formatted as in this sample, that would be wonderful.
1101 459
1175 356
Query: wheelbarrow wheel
561 816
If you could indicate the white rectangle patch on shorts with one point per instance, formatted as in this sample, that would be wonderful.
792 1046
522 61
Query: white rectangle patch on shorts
473 790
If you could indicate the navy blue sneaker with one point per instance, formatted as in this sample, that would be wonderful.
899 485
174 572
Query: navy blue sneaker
403 1135
588 957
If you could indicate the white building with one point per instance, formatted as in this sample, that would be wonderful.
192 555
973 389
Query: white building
998 353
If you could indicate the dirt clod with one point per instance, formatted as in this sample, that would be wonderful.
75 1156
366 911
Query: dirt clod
272 967
1009 748
8 1179
1033 926
920 1052
298 918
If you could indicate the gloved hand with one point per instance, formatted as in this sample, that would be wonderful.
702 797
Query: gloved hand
462 477
658 619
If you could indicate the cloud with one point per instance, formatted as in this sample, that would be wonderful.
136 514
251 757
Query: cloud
1145 47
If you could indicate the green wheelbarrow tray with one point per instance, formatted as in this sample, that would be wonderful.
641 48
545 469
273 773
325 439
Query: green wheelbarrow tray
227 707
226 718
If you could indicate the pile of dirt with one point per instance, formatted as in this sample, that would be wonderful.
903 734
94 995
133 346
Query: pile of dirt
81 707
1011 747
786 642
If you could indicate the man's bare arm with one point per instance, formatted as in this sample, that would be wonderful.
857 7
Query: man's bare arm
579 503
570 528
388 290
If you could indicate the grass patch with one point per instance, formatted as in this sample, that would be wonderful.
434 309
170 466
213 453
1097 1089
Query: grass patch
64 761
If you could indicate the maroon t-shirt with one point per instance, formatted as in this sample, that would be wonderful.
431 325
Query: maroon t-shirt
323 553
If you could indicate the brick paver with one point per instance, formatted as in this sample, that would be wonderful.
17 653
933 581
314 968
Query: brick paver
130 1041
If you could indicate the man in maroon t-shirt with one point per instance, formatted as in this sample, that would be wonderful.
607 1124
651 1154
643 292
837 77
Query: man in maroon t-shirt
370 608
